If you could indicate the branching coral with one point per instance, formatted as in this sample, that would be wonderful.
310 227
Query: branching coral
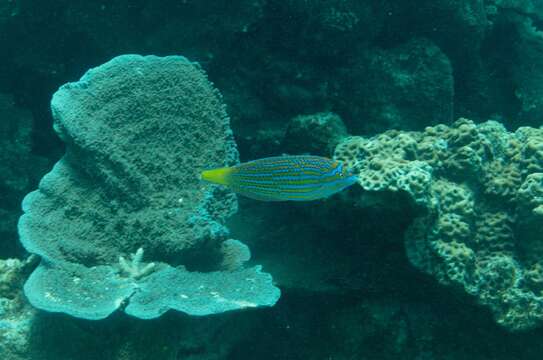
135 268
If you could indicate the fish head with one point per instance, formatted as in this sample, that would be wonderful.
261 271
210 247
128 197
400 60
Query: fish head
347 176
342 177
346 172
341 171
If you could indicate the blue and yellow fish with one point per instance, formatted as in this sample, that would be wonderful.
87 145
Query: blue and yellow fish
281 178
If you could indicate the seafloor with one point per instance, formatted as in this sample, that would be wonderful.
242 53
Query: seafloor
437 252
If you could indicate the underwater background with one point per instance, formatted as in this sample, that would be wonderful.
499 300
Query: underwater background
110 110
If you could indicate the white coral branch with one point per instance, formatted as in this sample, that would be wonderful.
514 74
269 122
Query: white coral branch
135 268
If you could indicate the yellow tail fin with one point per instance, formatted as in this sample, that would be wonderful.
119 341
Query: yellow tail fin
217 176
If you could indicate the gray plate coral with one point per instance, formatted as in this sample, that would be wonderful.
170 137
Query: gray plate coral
137 130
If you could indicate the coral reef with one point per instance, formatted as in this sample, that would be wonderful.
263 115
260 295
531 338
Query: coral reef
15 314
478 191
296 74
287 69
316 134
529 7
235 254
8 9
528 84
20 169
138 130
407 87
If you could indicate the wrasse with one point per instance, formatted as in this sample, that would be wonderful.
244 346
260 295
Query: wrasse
282 178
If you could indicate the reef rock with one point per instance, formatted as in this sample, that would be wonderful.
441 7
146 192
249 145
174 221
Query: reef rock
20 169
407 87
316 134
16 316
479 192
138 130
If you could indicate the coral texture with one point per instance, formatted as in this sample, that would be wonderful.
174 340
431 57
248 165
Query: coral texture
479 190
15 314
137 130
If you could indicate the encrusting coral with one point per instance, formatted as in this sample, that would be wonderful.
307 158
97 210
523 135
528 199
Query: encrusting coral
479 192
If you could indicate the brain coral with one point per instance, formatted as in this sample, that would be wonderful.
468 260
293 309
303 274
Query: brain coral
479 189
137 130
